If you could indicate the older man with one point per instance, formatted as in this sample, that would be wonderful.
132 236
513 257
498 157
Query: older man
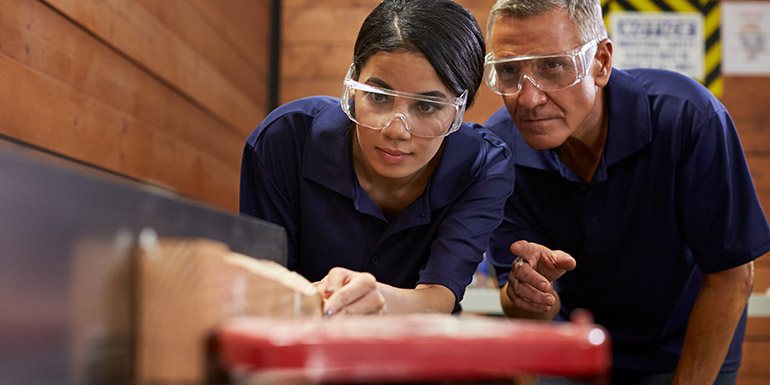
632 197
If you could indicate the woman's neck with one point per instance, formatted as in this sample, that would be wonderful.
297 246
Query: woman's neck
391 195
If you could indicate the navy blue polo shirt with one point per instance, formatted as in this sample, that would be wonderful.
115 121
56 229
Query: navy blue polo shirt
672 197
297 172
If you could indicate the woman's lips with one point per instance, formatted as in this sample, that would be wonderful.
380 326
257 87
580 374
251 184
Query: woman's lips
392 156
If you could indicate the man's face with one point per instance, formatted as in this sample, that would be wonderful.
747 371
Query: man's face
546 119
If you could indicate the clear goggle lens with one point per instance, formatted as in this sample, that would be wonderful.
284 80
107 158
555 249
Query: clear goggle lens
423 116
547 72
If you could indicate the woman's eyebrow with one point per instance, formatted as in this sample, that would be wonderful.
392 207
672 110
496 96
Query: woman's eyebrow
382 84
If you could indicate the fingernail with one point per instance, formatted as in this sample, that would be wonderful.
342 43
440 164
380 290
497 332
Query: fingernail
543 285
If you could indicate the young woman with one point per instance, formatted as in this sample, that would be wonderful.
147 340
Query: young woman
387 197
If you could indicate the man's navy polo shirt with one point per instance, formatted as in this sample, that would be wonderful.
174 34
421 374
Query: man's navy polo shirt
671 197
297 172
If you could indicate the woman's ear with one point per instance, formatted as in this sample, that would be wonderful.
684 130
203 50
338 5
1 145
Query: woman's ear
604 58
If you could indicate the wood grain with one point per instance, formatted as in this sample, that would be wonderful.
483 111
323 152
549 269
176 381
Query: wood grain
229 54
134 32
77 96
189 286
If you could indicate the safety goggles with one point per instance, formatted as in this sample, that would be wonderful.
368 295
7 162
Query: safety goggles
423 116
547 72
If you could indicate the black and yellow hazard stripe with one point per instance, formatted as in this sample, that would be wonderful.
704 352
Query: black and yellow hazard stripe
710 10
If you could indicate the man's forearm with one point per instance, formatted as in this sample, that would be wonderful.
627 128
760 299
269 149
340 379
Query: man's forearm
712 323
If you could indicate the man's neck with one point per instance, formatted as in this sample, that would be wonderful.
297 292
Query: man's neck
583 152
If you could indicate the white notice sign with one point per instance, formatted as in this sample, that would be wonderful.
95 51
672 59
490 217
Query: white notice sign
746 38
666 40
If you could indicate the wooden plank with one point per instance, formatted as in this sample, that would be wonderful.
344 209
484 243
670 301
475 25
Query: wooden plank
759 166
77 125
758 328
480 10
756 361
134 32
186 287
752 380
41 44
755 368
324 21
487 102
742 97
77 59
762 274
292 89
207 37
753 130
310 61
246 23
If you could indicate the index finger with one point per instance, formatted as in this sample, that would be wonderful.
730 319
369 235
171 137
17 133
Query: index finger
531 252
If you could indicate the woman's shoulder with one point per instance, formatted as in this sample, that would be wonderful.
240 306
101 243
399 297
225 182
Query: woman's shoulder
484 140
292 118
475 149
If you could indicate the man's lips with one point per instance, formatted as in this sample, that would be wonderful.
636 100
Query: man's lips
535 119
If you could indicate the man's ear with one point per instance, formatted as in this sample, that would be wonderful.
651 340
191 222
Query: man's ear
604 59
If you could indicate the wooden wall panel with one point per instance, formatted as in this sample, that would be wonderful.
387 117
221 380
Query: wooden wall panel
762 274
746 98
132 30
227 55
245 24
162 91
754 368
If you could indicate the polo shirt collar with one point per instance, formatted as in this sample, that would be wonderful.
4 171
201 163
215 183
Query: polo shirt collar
327 151
629 129
456 170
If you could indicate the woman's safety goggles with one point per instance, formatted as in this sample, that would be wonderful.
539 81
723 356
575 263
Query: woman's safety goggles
424 116
547 72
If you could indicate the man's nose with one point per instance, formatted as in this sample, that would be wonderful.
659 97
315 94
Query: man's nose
529 95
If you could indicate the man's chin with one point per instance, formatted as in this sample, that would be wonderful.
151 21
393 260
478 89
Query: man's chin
541 141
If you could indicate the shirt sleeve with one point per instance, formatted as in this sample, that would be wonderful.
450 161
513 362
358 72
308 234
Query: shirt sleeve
270 167
722 219
464 233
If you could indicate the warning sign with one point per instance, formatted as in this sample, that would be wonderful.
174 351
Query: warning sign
672 41
680 35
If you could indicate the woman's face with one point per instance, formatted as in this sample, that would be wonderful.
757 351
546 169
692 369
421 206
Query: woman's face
393 152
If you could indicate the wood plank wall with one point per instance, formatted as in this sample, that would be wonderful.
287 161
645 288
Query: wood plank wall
161 91
317 48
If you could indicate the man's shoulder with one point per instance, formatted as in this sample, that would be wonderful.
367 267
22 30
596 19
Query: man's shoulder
670 84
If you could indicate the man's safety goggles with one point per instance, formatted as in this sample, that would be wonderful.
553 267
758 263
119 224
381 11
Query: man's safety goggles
423 116
547 72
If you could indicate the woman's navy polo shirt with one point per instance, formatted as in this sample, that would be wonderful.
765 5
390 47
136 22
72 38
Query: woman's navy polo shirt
671 197
297 172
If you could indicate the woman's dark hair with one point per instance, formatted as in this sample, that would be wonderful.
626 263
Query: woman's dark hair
443 31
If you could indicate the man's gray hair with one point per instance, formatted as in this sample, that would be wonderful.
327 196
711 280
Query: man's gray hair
586 15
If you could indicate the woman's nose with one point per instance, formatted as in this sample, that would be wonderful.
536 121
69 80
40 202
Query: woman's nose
397 127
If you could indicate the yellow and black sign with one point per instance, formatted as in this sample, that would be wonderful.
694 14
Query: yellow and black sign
712 77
